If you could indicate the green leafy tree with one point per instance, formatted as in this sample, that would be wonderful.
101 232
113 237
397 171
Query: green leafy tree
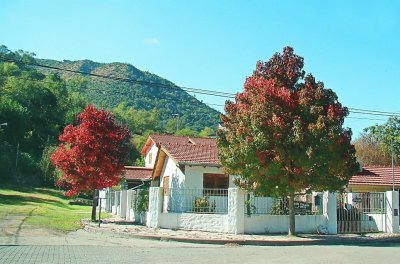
389 134
206 132
185 132
138 121
36 107
283 135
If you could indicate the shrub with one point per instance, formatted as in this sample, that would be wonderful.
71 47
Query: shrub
202 205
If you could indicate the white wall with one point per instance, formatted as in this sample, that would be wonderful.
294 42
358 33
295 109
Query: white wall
262 224
200 222
176 177
377 222
153 152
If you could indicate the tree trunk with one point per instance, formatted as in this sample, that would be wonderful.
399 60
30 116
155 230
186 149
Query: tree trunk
292 219
95 197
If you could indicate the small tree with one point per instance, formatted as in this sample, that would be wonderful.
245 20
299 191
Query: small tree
92 154
284 136
371 150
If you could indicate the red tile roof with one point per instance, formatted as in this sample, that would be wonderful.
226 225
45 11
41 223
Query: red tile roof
190 150
137 173
377 176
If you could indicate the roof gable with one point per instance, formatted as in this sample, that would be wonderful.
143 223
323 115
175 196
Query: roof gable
183 149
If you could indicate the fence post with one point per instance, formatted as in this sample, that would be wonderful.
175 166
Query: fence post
107 200
128 204
122 204
392 212
235 211
330 211
115 205
155 205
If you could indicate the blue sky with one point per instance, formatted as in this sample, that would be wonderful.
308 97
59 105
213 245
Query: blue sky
352 46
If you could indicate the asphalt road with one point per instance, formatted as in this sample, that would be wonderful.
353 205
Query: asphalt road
20 243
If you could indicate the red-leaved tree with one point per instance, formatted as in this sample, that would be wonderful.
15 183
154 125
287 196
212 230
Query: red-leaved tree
92 154
283 135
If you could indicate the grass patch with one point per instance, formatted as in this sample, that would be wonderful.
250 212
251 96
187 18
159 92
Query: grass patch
43 207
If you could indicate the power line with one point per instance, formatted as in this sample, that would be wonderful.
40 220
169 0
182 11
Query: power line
375 111
366 118
187 89
116 78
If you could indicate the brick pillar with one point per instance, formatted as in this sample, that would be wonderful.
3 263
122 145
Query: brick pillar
235 211
392 212
155 206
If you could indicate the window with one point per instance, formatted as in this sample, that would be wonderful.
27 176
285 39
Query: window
150 158
215 181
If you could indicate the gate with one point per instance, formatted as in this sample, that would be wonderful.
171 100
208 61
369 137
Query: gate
361 212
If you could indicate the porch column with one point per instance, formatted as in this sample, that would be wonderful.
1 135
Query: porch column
235 211
155 205
330 211
392 212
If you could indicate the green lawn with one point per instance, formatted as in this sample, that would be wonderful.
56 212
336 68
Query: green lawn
43 207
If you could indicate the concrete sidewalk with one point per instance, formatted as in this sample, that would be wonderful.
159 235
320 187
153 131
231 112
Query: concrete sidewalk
128 229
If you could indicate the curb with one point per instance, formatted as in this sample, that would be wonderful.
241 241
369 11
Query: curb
323 241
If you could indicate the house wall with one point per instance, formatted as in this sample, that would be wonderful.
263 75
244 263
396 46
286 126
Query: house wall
191 178
368 188
176 176
194 176
153 153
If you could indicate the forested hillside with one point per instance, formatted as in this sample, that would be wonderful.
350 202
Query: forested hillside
144 92
36 103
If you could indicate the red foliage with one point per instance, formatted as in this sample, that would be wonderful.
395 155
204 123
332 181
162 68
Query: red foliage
288 128
91 155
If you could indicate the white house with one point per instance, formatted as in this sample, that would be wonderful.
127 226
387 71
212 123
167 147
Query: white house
184 162
191 190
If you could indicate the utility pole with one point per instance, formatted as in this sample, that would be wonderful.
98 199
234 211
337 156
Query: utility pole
391 146
177 121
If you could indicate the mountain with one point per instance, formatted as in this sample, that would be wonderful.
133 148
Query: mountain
148 91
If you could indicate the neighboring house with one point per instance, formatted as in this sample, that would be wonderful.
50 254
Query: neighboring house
375 179
137 176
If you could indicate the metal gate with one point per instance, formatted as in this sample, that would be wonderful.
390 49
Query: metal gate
361 212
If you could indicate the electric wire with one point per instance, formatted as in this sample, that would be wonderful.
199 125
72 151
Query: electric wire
189 89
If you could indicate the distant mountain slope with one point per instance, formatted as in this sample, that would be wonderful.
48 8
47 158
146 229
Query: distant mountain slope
109 93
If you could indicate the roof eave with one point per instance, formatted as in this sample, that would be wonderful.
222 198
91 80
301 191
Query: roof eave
185 163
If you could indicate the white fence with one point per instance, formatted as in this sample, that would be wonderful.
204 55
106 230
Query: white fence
237 212
233 211
306 204
207 201
131 205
